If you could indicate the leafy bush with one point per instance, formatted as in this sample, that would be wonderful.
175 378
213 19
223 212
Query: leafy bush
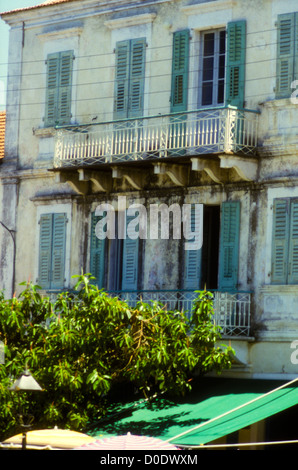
81 345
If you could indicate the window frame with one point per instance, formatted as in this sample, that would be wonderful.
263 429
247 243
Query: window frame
215 78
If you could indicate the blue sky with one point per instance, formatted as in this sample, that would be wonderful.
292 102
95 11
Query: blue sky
7 5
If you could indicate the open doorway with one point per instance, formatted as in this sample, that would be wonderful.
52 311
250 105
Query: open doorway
210 249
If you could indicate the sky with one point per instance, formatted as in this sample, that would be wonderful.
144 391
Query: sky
7 5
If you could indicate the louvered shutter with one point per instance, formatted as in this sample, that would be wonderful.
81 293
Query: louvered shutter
193 260
97 254
280 235
229 245
285 54
180 71
58 90
137 76
65 82
236 53
52 251
45 251
296 48
293 245
52 89
130 261
121 80
58 250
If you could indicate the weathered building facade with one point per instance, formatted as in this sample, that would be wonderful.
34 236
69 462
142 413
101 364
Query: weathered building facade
172 102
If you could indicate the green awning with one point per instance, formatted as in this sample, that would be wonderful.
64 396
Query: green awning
205 414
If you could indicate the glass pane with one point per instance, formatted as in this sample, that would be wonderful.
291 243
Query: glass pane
209 44
221 68
208 65
222 42
207 94
220 91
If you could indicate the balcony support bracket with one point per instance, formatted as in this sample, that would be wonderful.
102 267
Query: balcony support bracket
246 168
101 181
72 178
209 166
134 177
177 173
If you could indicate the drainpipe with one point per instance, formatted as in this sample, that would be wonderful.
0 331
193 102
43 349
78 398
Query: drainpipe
14 254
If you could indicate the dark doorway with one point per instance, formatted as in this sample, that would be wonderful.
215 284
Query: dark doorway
210 247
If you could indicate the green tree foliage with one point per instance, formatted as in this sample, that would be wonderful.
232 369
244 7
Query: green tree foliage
83 344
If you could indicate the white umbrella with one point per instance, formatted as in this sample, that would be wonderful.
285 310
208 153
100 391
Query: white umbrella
127 442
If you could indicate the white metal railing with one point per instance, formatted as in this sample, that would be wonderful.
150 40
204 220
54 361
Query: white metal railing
231 309
204 131
232 312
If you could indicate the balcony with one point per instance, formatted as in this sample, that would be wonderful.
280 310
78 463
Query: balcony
195 133
231 309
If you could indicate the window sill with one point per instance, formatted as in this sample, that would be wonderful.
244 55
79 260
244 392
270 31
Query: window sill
279 288
44 132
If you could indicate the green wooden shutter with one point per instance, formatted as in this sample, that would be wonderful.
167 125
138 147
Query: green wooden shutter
285 54
293 245
180 71
97 254
280 236
137 77
52 89
45 251
229 245
52 251
129 78
65 82
121 79
193 262
296 48
130 261
58 250
58 90
236 52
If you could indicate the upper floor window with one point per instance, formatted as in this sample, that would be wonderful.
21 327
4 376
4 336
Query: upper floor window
285 241
287 54
221 67
58 88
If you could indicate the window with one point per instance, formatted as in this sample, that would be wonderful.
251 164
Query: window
213 68
285 241
216 264
129 78
52 250
114 262
58 88
287 53
221 67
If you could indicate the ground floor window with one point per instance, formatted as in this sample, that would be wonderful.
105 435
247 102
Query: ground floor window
52 241
284 269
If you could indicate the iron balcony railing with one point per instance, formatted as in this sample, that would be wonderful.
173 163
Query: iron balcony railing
232 310
204 131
